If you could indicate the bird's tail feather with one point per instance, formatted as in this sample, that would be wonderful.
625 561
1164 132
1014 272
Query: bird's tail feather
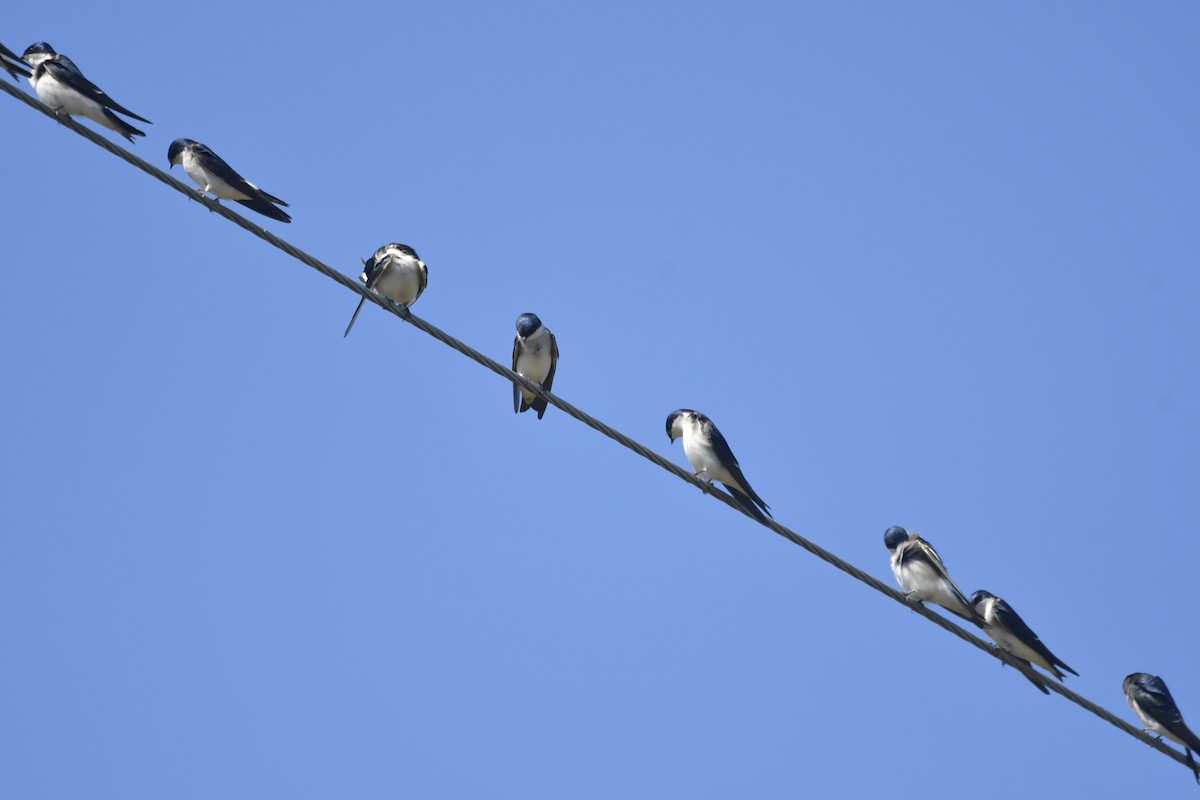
272 198
747 503
754 496
264 208
1192 763
1040 686
520 404
352 319
15 71
121 126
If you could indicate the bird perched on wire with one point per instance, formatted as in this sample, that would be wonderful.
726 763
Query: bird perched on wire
1149 697
396 272
61 85
1007 629
922 575
535 357
12 64
212 174
711 458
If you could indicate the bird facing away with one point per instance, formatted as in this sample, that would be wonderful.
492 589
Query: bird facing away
61 85
535 357
212 174
11 63
397 273
711 458
1007 629
922 575
1151 700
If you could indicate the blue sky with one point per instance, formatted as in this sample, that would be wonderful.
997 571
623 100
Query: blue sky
931 265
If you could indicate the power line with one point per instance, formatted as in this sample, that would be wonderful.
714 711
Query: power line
592 422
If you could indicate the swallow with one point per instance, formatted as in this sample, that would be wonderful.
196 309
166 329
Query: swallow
213 175
1150 699
711 458
61 85
535 357
11 63
1007 629
922 575
397 273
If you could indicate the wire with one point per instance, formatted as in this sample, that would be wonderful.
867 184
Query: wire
496 367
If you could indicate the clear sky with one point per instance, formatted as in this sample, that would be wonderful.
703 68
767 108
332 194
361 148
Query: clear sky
926 264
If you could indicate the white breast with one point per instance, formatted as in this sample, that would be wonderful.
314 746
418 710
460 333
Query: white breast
701 455
400 281
65 99
535 359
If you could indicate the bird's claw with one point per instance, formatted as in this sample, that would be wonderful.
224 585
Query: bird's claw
399 308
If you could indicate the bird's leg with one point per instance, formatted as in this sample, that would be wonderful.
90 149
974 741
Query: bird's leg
205 191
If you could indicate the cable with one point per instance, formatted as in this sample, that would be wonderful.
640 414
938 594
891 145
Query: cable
592 422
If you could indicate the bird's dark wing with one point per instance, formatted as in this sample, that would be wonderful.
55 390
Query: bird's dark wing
540 404
726 457
372 270
920 550
424 270
746 501
719 445
516 387
1155 699
268 196
265 208
548 384
255 200
1012 620
215 164
63 70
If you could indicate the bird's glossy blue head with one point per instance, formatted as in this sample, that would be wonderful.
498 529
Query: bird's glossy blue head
527 325
402 248
895 536
981 595
1145 680
39 50
175 151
